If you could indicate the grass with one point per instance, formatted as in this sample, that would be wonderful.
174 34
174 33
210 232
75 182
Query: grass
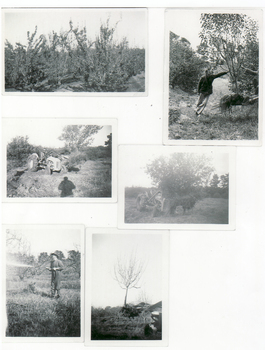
35 314
240 124
235 126
112 325
205 211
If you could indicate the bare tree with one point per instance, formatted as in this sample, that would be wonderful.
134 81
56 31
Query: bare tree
128 272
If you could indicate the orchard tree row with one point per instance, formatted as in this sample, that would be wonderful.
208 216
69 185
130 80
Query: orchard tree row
46 63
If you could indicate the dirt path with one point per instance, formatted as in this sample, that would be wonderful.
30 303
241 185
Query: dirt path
136 83
92 180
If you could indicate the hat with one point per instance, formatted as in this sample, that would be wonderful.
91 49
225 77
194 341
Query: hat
55 255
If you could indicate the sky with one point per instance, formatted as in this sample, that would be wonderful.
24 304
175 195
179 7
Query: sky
47 239
107 248
134 162
132 23
186 23
45 132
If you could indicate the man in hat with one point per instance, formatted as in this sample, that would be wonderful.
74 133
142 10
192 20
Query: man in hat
205 89
67 187
56 267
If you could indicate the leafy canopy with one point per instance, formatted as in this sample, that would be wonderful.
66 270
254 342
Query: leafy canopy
179 173
78 136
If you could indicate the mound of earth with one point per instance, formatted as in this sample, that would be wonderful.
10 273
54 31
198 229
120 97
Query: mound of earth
91 179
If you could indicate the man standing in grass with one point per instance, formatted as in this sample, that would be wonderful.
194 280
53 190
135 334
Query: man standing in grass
56 267
205 89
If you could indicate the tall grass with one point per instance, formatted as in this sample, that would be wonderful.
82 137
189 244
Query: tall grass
111 324
36 314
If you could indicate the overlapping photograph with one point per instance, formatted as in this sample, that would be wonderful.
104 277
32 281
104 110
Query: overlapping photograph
43 283
75 50
59 159
213 80
129 288
176 187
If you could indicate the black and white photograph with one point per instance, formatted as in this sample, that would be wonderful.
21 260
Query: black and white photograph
61 159
130 307
212 78
176 187
75 50
44 282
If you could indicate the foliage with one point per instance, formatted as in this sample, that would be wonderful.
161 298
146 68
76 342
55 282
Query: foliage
35 315
185 66
231 39
111 324
108 143
77 137
74 261
179 173
45 64
128 273
19 148
25 65
218 186
132 192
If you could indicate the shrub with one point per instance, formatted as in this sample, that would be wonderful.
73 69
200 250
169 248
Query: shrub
19 148
185 66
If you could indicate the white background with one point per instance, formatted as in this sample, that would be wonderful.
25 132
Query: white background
217 279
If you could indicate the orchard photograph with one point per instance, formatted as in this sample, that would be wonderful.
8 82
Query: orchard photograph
58 158
213 75
75 50
176 186
43 287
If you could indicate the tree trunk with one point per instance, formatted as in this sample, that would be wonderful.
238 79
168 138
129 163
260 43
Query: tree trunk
125 299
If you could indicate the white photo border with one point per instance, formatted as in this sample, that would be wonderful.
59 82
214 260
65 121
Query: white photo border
78 94
80 339
71 121
165 292
166 140
231 151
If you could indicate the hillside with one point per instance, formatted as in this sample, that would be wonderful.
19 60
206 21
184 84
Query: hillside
240 124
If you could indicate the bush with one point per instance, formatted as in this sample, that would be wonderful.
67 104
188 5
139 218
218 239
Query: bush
19 148
185 67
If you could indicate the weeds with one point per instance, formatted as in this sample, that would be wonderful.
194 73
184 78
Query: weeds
31 312
111 324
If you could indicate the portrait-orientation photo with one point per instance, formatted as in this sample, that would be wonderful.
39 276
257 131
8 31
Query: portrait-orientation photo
58 158
75 50
129 291
44 268
212 76
176 187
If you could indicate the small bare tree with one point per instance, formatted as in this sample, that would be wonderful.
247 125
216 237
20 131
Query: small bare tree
128 272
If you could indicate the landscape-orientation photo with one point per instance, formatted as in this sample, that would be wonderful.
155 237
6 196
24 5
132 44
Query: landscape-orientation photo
43 281
213 75
128 283
57 158
175 185
75 50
